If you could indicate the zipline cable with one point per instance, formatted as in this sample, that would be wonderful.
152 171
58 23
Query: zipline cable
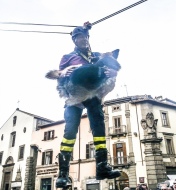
96 22
120 11
35 31
35 24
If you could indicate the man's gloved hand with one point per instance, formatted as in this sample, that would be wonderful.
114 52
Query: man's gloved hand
109 72
68 70
87 25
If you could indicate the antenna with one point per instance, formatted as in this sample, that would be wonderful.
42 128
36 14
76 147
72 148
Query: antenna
126 89
18 103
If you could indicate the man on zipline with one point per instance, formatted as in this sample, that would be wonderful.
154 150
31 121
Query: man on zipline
82 55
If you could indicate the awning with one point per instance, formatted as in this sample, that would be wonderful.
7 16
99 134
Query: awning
172 177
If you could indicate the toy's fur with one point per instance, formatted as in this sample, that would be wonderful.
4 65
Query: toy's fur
88 81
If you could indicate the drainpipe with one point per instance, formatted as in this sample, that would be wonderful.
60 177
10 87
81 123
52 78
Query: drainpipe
79 160
139 134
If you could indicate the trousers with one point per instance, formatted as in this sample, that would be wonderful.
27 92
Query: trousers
72 116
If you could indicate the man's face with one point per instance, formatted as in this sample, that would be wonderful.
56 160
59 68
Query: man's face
82 41
174 185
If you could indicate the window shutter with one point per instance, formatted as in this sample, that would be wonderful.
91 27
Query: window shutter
13 139
52 134
51 157
45 136
1 153
87 151
115 153
21 152
14 120
124 152
43 158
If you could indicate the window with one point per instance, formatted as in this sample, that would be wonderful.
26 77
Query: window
93 186
90 151
48 135
169 145
2 137
14 120
117 124
12 139
165 119
1 155
47 157
46 183
119 153
115 108
21 152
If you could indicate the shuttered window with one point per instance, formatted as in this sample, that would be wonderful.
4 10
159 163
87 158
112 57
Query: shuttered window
169 145
165 118
119 153
90 151
12 140
47 157
21 152
14 120
48 135
87 151
1 154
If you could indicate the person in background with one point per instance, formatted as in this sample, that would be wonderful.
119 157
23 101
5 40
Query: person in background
143 187
174 185
126 188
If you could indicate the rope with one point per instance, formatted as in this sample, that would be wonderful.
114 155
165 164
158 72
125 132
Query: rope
96 22
35 31
35 24
120 11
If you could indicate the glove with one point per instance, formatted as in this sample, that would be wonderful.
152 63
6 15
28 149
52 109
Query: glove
87 25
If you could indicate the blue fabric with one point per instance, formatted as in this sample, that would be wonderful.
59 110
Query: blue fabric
72 116
74 58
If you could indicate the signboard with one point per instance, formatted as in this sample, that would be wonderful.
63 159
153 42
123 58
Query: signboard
47 171
141 179
15 184
91 181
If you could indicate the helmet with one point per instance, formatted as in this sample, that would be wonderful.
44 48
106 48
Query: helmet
79 30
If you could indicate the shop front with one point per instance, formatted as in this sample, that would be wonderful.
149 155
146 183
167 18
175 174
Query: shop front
46 177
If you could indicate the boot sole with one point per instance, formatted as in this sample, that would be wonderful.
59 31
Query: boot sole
61 185
108 177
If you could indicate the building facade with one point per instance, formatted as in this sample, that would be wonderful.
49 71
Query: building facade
140 136
82 167
17 156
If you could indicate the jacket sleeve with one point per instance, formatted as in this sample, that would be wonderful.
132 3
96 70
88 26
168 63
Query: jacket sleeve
64 62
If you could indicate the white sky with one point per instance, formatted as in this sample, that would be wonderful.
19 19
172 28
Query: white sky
145 35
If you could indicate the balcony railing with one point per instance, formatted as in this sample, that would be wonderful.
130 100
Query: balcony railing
120 130
119 161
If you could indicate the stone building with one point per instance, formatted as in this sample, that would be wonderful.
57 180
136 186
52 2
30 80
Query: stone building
17 155
82 168
141 131
140 135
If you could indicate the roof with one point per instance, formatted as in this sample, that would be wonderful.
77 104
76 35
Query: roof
35 116
142 99
57 122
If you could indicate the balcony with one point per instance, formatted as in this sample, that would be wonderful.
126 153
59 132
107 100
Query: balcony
117 131
119 162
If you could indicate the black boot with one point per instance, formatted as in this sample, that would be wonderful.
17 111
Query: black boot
64 164
103 169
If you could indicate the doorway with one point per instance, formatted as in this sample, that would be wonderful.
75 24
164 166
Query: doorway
46 184
122 182
93 186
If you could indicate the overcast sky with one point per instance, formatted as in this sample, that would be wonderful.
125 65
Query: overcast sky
145 35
